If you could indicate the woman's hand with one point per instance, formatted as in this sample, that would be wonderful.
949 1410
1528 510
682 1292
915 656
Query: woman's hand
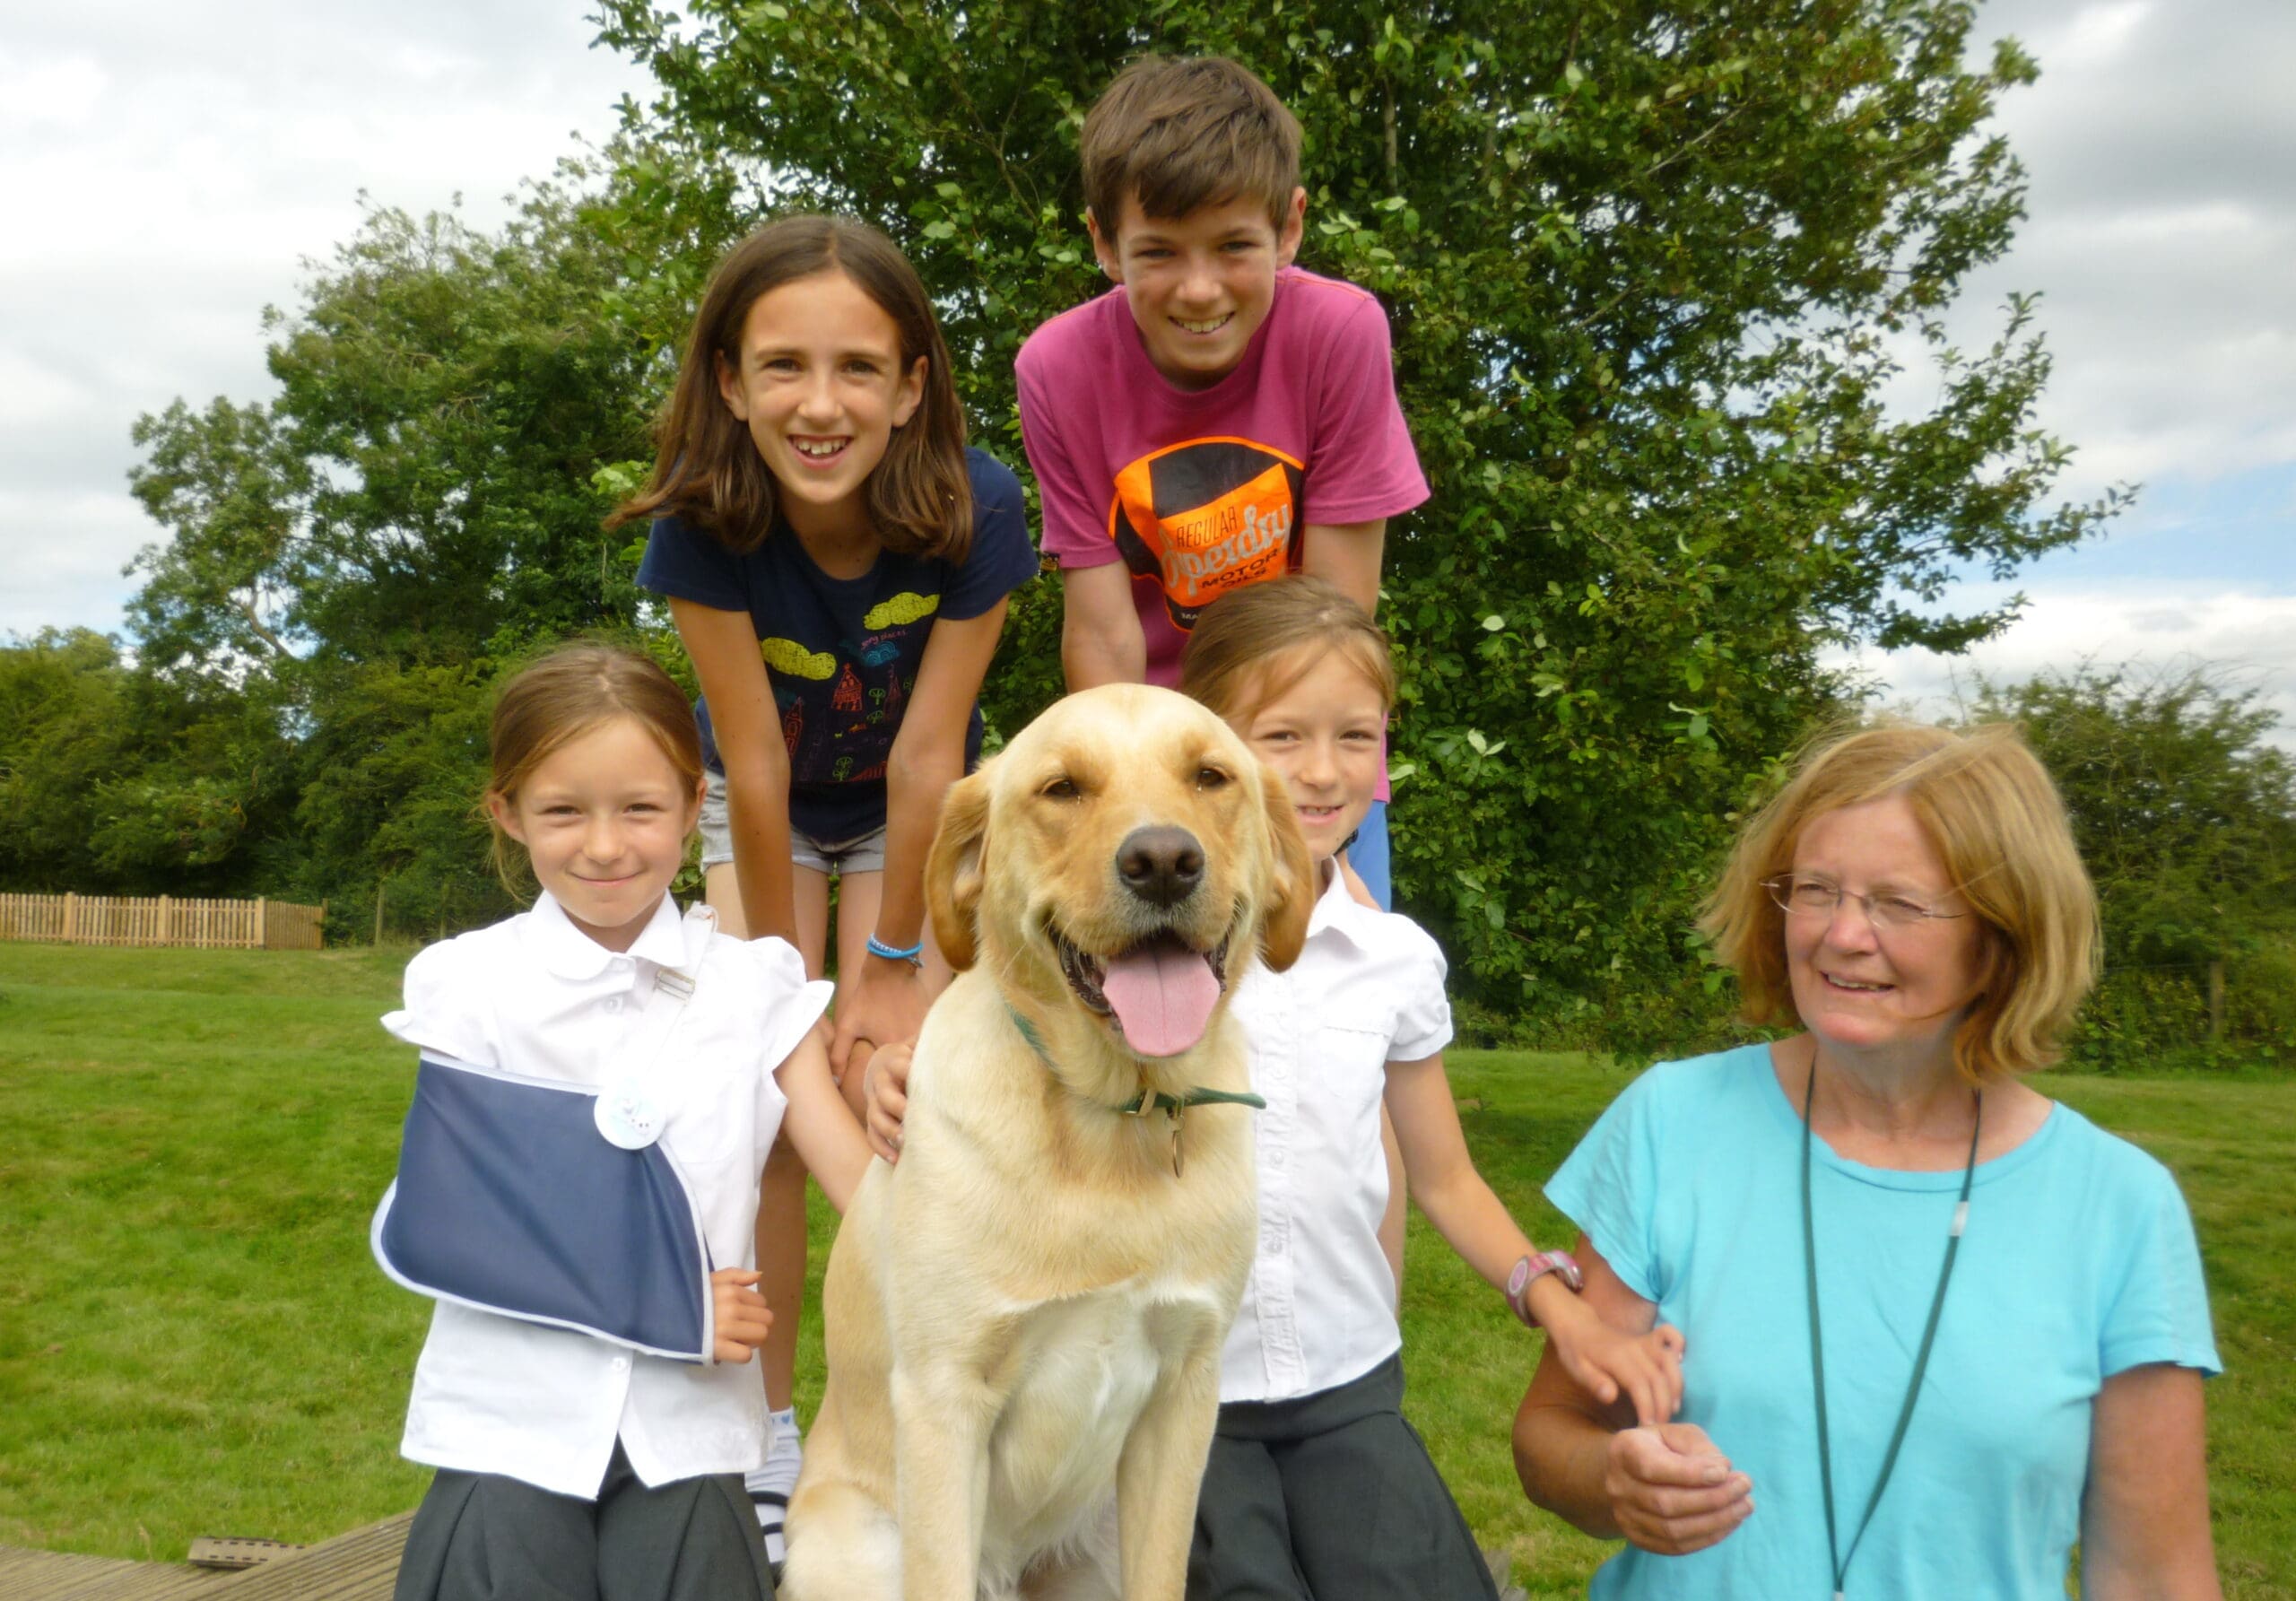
1671 1491
884 1004
741 1315
1664 1486
885 1084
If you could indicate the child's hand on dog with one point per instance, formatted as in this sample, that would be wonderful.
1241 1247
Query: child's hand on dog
1608 1362
743 1317
885 1083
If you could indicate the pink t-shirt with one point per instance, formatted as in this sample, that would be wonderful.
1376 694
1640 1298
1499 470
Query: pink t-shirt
1199 490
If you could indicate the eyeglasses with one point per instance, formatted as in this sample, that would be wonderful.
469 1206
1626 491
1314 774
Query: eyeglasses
1803 896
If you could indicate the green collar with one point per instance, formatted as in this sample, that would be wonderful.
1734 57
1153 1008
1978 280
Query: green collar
1145 1102
1198 1096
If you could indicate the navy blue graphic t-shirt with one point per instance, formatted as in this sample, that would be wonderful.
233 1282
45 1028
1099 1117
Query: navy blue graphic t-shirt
842 654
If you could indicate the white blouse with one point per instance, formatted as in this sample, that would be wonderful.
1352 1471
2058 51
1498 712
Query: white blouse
1368 989
535 995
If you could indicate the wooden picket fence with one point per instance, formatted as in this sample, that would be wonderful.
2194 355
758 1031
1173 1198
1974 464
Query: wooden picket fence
162 920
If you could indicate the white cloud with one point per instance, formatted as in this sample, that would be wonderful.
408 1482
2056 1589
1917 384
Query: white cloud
32 390
167 171
64 554
2248 636
2161 220
2099 35
59 91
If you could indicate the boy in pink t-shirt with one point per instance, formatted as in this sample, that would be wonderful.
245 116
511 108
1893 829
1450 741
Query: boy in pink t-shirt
1220 416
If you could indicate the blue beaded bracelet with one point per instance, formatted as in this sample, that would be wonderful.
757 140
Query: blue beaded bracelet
914 955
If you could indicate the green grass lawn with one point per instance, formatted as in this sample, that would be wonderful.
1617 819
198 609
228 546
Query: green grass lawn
194 1340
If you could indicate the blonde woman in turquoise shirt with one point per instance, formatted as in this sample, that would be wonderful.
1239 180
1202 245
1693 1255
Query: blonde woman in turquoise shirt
1938 1327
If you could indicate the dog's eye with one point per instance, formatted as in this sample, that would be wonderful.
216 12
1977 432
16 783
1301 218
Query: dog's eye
1211 777
1061 789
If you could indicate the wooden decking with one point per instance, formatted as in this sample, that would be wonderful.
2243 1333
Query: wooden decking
359 1566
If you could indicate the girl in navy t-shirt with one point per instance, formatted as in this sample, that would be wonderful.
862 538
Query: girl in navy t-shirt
838 564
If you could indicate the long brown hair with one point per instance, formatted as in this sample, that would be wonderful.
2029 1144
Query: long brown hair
706 469
563 696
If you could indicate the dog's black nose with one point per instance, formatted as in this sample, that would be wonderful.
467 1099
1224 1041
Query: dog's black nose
1162 866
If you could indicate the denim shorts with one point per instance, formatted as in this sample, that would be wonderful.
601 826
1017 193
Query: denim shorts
865 854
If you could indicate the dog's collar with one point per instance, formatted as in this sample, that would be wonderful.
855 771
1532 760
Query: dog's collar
1147 1102
1199 1096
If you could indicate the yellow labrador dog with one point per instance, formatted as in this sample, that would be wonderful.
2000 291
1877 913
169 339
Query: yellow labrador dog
1024 1317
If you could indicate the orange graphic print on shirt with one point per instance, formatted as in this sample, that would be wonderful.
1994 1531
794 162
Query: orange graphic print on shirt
1202 518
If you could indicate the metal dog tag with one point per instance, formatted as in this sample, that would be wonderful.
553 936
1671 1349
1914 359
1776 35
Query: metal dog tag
1176 1125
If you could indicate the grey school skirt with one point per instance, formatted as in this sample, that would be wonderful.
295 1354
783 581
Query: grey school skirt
480 1536
1331 1497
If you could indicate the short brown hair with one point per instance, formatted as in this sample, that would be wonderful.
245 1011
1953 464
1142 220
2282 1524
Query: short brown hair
706 466
1991 813
1296 620
1178 132
563 696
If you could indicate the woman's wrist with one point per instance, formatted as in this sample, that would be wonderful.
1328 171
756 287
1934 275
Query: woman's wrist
1564 1458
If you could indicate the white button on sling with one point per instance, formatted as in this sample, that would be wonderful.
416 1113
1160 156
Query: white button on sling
628 1117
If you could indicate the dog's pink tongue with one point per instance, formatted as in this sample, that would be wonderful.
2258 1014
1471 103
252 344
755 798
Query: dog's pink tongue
1164 995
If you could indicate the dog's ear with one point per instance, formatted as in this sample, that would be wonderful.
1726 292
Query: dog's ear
1283 924
953 875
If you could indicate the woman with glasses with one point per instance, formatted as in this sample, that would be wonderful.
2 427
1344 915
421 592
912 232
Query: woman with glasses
1938 1327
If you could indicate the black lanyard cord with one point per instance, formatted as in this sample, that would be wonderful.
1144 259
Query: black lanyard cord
1817 1339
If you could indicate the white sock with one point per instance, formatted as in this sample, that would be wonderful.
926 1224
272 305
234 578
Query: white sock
769 1486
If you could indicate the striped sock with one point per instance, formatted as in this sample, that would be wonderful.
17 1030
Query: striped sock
769 1486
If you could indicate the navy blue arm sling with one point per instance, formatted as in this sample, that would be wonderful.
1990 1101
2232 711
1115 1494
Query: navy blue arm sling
551 1202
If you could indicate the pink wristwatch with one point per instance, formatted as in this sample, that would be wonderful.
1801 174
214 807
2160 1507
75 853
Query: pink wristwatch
1518 1282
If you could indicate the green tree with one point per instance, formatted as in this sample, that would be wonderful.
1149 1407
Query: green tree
59 706
398 762
223 588
115 778
2185 812
1652 268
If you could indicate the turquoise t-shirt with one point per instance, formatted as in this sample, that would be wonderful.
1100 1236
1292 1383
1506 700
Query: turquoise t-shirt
2078 1261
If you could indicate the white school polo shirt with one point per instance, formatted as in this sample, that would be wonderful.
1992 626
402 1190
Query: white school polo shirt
1319 1309
535 995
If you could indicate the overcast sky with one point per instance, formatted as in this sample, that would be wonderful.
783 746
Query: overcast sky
165 170
2162 144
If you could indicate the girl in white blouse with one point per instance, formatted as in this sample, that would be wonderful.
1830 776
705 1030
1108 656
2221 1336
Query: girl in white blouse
1316 1489
1316 1486
570 1465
